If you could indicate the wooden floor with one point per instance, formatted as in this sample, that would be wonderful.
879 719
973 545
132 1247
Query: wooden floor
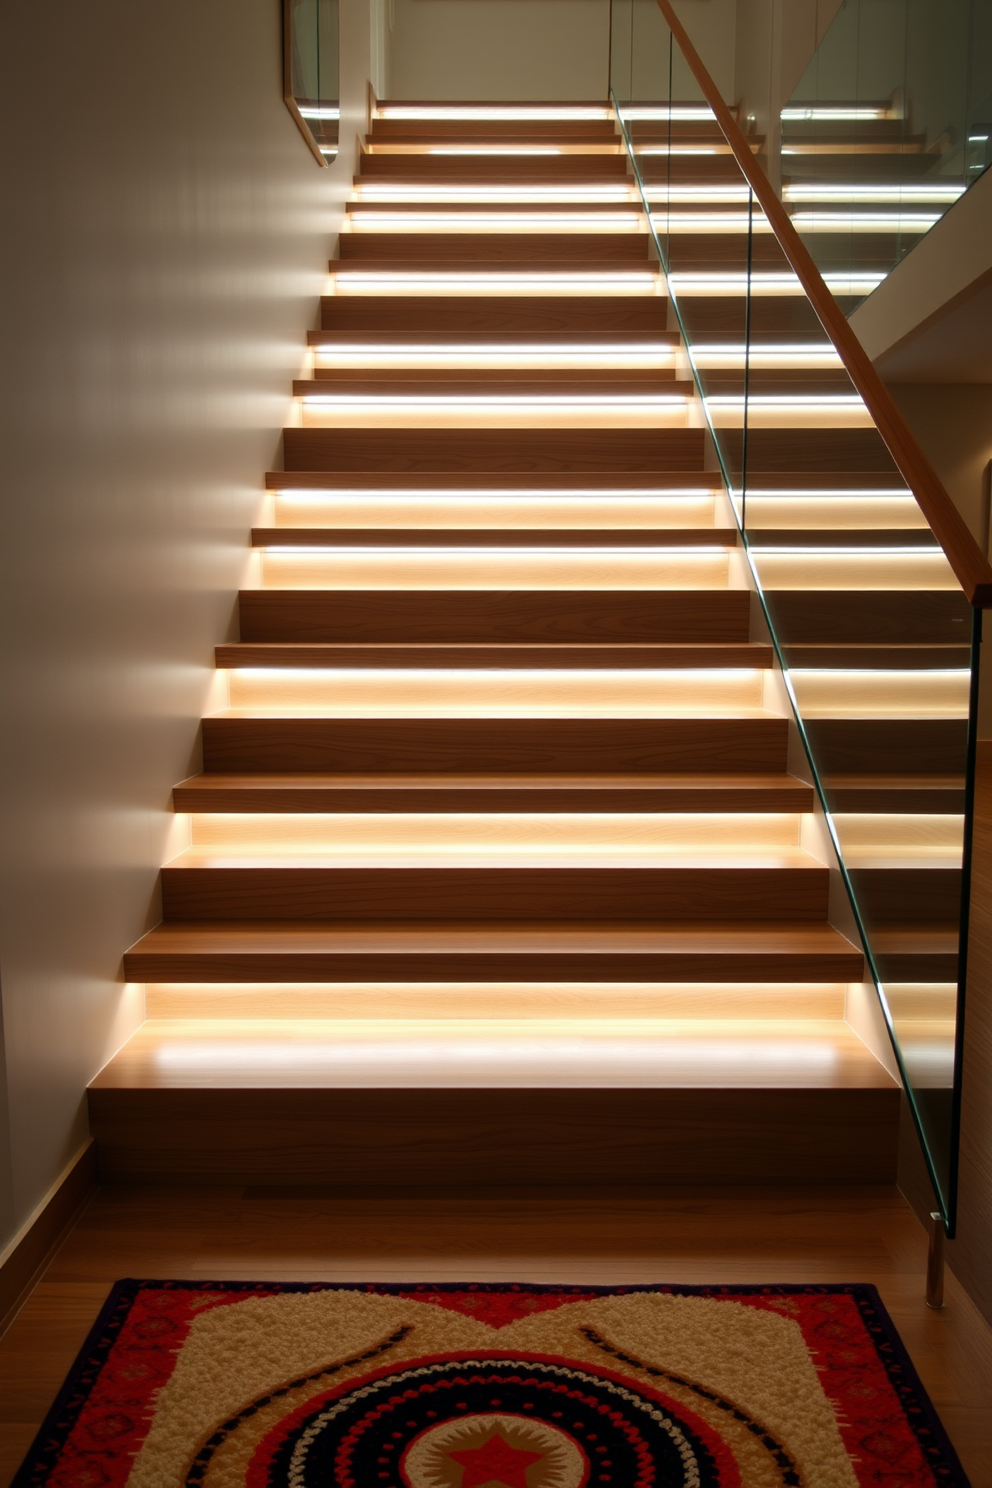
816 1235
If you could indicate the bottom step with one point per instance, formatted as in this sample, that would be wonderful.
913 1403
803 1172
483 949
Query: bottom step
504 1105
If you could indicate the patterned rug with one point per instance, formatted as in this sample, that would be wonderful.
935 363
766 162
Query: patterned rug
245 1385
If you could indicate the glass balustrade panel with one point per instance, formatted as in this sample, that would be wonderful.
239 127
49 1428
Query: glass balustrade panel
873 632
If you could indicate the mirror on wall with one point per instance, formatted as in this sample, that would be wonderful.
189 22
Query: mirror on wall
310 72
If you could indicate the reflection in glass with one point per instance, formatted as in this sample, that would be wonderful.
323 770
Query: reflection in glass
311 82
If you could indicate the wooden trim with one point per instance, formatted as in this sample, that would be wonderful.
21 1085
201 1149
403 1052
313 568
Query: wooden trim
970 566
27 1255
287 83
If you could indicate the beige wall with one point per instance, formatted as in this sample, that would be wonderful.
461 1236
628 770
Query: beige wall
499 49
953 423
165 240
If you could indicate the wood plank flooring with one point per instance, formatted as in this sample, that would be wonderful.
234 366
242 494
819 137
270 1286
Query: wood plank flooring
812 1235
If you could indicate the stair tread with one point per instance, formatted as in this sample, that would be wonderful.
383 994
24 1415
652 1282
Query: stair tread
390 780
542 482
446 793
401 938
413 384
627 336
512 655
329 1054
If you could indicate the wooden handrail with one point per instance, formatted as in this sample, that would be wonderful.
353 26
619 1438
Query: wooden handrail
971 567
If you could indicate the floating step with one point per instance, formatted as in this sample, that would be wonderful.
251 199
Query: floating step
479 615
493 248
524 656
482 316
270 1103
493 537
521 451
485 745
500 793
612 485
923 617
278 952
481 170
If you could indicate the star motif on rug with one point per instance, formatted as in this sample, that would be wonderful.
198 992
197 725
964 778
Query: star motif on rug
495 1462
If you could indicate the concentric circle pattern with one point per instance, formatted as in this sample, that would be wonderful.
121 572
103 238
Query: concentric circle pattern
473 1423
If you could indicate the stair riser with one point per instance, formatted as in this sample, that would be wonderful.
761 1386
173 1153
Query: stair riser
817 451
911 895
467 745
491 247
479 317
439 800
509 450
713 966
866 746
482 616
376 1139
511 894
476 170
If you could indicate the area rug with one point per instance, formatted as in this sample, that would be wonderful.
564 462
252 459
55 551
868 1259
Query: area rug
248 1385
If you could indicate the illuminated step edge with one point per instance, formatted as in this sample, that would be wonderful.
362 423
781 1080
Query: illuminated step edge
784 1053
879 193
481 112
598 1004
514 837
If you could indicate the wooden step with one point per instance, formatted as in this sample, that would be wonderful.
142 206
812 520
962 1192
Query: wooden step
494 537
873 746
482 317
916 951
543 483
494 745
459 380
572 132
894 169
281 952
480 170
608 269
884 792
834 537
493 247
907 894
497 450
298 1104
878 616
487 615
786 885
500 793
453 335
857 656
413 386
722 317
409 655
815 450
507 210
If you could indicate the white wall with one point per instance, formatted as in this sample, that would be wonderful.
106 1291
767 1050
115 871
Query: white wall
166 235
499 49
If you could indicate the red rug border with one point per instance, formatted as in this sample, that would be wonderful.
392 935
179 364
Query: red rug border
920 1414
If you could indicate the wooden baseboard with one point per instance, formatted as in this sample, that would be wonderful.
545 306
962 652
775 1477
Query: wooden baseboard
27 1255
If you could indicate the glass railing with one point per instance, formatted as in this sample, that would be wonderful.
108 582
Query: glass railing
871 131
876 637
311 72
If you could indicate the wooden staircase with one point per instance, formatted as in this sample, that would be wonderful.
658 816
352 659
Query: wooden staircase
497 875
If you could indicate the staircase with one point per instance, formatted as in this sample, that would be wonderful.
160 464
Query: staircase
497 873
